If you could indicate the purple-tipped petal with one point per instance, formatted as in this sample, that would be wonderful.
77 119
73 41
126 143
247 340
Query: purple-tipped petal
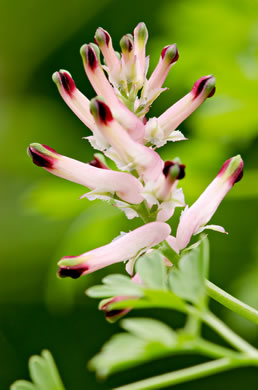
126 186
77 102
202 210
173 171
168 57
121 249
103 39
43 156
205 85
176 114
145 160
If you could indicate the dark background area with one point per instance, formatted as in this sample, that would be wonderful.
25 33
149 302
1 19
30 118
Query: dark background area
41 216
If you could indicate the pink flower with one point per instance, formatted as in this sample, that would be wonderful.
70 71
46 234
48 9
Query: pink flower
147 186
125 247
124 185
129 154
194 219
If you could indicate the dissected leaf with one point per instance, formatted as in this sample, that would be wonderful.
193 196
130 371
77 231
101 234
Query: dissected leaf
188 280
149 339
150 330
152 270
44 374
115 285
22 385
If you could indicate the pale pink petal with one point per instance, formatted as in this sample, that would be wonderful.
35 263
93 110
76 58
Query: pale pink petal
128 58
104 41
124 248
96 75
145 160
126 186
176 114
73 97
140 40
169 56
171 240
203 209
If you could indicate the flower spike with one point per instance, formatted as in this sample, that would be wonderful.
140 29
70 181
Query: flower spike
131 154
95 73
126 186
195 218
123 248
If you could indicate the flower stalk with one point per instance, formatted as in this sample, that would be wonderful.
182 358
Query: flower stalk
164 270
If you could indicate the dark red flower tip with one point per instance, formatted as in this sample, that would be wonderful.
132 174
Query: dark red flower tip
67 82
237 174
126 44
181 169
101 37
73 273
115 313
100 111
104 112
40 159
171 53
91 57
97 163
204 83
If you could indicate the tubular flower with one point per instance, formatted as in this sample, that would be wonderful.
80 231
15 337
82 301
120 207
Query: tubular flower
143 185
126 186
194 219
125 247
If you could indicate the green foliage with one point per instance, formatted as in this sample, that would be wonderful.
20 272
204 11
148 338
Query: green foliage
152 271
115 285
161 287
43 373
188 280
146 339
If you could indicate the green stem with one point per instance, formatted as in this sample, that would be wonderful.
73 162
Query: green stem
212 350
227 334
231 302
186 374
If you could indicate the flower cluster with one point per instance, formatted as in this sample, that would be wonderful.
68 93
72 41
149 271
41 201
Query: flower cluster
143 185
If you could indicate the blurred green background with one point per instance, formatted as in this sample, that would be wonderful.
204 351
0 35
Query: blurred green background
41 216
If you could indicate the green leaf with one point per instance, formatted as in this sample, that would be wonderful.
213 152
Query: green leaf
39 373
152 270
115 285
52 368
118 280
148 339
22 385
150 330
188 280
43 373
121 351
